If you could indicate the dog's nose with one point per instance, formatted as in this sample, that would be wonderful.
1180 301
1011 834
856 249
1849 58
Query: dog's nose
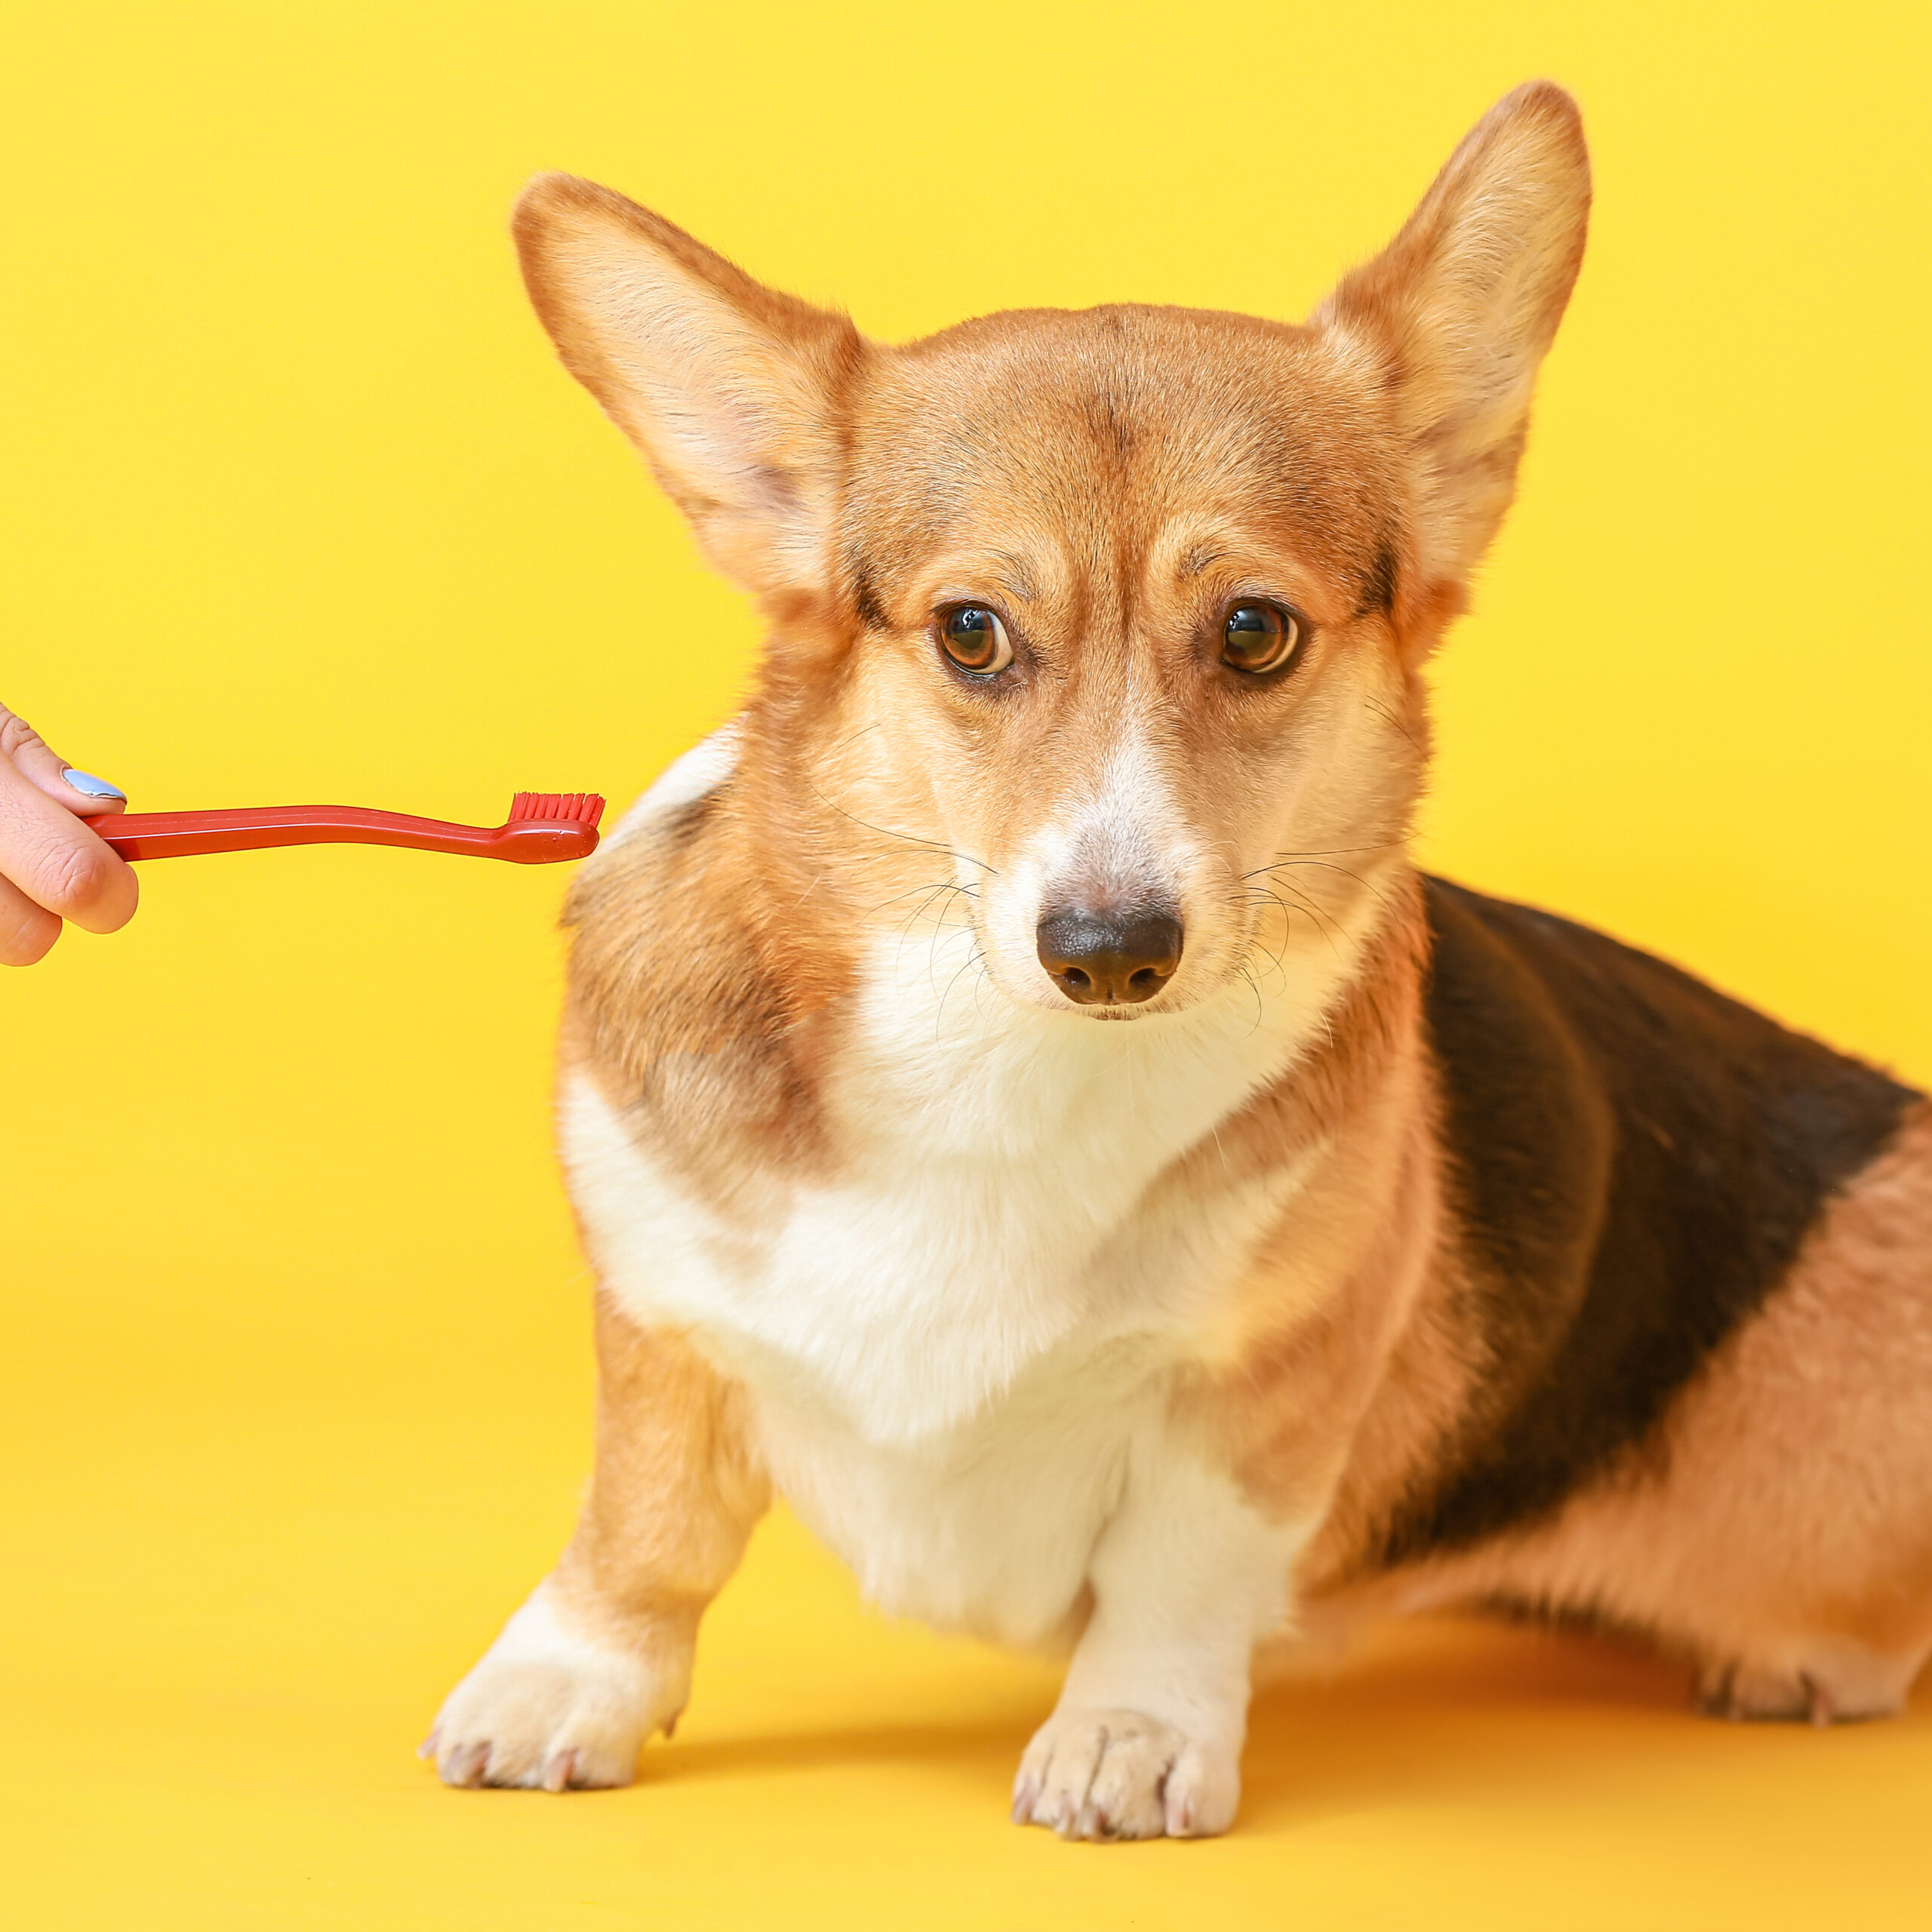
1115 958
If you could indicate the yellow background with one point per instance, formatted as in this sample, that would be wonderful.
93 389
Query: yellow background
295 505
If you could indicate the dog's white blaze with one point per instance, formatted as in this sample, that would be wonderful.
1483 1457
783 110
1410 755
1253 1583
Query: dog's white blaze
1119 838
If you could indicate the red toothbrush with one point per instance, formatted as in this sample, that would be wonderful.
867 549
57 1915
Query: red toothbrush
542 826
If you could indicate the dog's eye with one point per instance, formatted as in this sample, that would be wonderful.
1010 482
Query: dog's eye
975 639
1258 637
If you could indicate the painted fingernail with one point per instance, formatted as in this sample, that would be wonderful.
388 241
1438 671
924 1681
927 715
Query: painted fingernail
94 788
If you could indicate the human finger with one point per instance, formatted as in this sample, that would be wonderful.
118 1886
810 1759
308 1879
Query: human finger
57 862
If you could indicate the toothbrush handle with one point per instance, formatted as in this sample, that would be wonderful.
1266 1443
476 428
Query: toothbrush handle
178 834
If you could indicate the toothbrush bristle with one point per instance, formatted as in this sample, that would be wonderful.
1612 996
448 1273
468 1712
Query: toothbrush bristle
574 807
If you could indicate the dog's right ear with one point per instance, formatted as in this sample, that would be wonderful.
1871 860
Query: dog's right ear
730 388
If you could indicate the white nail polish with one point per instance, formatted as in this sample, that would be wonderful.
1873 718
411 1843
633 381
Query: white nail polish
94 788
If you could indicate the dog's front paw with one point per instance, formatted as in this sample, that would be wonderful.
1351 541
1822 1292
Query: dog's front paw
545 1708
1119 1774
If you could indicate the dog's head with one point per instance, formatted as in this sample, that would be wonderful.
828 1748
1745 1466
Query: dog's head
1117 613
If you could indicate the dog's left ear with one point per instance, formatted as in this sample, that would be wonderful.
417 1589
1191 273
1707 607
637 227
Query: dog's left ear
1459 310
730 389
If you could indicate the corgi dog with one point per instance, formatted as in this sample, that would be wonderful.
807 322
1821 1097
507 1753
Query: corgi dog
1025 1105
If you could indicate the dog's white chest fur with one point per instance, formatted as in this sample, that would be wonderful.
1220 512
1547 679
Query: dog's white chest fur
955 1347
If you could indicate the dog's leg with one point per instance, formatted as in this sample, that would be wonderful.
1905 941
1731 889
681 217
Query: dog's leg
600 1656
1147 1735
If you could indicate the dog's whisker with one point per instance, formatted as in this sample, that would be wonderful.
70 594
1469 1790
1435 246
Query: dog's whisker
1338 852
1254 986
940 894
905 837
1381 710
921 892
1324 923
939 1017
1268 895
1347 872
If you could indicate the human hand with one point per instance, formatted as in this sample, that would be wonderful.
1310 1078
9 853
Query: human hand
52 867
